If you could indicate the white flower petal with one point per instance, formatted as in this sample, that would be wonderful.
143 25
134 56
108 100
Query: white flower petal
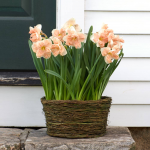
64 53
92 37
85 38
106 60
72 28
39 26
64 38
102 49
97 45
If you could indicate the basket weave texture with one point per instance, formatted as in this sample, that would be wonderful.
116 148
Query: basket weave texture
76 119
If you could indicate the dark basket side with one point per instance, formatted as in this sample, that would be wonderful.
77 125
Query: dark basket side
76 119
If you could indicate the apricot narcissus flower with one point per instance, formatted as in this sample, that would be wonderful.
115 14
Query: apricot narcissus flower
35 33
109 54
74 38
57 48
114 40
101 37
59 33
117 47
104 29
71 23
42 48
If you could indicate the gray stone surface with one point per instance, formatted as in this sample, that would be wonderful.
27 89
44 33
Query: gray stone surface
23 137
9 139
116 138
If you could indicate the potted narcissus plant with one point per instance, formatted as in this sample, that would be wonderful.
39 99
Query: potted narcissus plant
74 69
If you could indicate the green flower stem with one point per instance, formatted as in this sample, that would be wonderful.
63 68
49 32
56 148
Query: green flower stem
65 74
47 93
87 79
55 82
61 84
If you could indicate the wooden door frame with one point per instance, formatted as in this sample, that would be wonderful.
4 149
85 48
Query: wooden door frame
66 9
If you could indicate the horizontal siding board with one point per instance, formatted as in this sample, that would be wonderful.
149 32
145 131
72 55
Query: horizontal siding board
129 115
120 22
124 5
132 69
136 45
128 92
22 108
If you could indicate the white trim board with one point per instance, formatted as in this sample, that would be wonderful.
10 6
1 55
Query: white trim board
67 9
22 107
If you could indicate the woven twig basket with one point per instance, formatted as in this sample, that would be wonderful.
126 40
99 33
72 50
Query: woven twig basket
76 119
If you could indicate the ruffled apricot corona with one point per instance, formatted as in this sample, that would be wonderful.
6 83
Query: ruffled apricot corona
59 33
42 48
57 48
74 38
106 37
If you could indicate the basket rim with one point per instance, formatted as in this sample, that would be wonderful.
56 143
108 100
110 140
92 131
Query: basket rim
103 98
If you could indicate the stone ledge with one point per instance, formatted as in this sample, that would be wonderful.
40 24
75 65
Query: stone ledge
116 138
9 139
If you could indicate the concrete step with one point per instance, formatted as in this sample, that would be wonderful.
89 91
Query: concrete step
116 138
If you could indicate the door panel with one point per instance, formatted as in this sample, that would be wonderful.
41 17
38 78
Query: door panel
15 53
10 3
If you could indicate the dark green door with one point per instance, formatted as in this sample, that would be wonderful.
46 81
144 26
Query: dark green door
15 18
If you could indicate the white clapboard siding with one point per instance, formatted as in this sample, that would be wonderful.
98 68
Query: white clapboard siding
132 69
129 85
120 22
21 106
128 92
117 5
136 45
129 115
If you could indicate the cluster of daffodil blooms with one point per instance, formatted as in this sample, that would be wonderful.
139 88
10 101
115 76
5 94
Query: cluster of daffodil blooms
73 65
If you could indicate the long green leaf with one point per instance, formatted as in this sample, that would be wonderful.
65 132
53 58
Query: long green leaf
39 67
88 78
57 75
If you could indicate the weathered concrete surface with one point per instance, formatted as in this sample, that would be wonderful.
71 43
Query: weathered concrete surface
23 136
116 138
9 139
27 139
